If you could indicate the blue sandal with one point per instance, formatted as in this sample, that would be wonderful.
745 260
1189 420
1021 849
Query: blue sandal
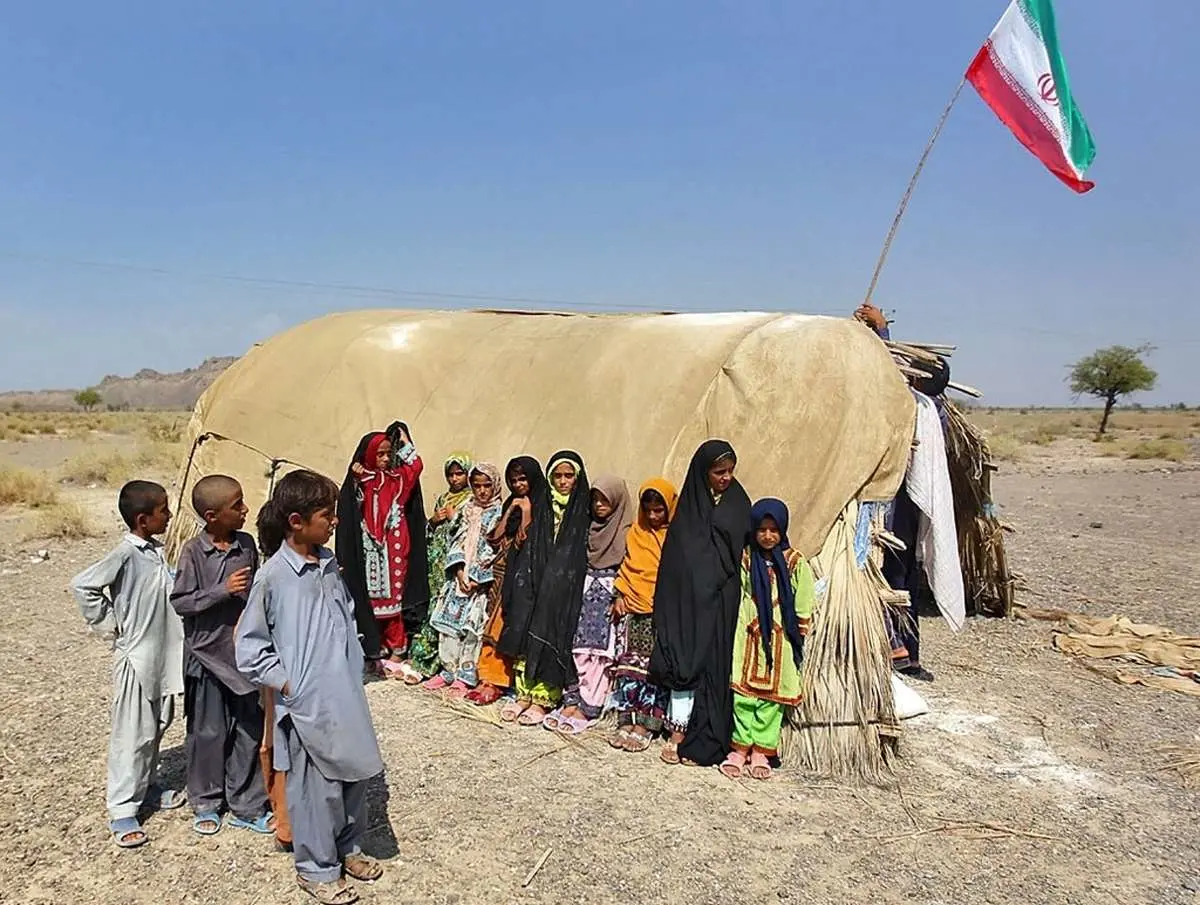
200 820
264 824
164 799
127 832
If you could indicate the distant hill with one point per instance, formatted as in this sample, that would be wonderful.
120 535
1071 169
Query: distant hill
146 390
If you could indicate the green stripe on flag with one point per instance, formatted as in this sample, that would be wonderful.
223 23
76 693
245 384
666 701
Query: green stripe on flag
1040 16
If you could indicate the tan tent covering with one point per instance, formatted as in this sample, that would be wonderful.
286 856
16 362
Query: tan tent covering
814 405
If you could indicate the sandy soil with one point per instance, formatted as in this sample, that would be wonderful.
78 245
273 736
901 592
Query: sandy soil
1020 736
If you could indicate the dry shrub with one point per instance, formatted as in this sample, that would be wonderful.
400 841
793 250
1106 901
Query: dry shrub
1168 450
1006 448
97 468
27 488
64 521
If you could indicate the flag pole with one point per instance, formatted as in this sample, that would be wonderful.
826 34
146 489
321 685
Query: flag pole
912 184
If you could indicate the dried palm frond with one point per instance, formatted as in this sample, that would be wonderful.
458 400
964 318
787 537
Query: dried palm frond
1184 760
986 578
846 727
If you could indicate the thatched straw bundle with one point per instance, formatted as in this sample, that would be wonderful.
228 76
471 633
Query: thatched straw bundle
846 727
986 579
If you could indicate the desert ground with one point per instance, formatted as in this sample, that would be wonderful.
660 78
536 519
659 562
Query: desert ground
1058 775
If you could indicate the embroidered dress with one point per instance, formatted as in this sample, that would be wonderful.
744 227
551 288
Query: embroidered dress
387 541
459 617
634 696
423 647
763 690
593 647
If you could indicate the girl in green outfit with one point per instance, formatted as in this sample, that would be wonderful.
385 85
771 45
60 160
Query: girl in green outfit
768 647
423 661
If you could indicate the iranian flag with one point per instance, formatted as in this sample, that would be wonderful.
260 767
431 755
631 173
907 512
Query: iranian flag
1021 75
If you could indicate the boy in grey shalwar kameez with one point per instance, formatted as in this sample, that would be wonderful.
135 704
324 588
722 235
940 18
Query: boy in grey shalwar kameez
297 637
127 595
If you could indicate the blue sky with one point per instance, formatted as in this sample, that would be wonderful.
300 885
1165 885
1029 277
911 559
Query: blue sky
684 155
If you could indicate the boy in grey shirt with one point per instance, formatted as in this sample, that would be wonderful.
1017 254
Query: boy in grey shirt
127 596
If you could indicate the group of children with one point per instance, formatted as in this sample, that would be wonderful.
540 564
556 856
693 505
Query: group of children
557 597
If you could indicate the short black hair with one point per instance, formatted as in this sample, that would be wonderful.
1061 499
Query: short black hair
139 498
302 492
651 497
214 491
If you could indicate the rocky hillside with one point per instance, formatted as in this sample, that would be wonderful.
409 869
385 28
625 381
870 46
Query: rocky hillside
146 390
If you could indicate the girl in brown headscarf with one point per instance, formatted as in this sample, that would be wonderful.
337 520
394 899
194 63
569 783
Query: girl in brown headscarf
584 699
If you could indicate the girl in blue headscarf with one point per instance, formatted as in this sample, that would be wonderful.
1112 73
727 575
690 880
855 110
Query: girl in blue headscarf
768 647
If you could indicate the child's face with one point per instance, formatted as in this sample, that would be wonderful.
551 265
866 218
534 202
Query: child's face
563 477
518 483
456 477
601 507
383 456
768 534
655 511
230 517
720 476
482 489
155 522
316 529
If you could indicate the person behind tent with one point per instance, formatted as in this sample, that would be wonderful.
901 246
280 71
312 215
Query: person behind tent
776 607
585 698
126 596
543 612
640 704
461 610
224 717
381 544
423 661
906 570
696 604
523 475
298 638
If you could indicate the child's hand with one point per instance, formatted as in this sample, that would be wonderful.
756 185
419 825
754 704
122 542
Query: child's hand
286 691
404 437
463 584
239 582
619 609
358 470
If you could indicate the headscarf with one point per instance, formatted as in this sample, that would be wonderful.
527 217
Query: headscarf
760 579
472 512
558 569
639 569
558 501
456 498
606 539
696 602
379 490
348 546
518 592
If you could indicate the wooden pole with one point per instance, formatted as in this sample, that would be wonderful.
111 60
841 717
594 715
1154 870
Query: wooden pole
912 184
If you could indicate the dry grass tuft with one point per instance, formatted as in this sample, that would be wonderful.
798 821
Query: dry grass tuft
63 521
19 486
1006 448
1170 450
113 468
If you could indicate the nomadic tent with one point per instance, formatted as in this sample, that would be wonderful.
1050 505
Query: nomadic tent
815 406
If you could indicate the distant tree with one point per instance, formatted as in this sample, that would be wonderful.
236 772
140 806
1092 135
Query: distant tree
87 399
1111 373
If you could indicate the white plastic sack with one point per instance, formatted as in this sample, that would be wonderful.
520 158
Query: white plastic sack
908 702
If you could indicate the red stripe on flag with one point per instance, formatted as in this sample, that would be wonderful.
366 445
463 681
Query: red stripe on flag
1024 123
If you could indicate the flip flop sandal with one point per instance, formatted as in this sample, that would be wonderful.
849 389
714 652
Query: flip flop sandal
551 719
164 799
620 738
264 825
408 674
733 764
636 743
528 718
127 832
484 695
212 819
512 711
670 753
458 690
571 726
337 893
363 868
760 766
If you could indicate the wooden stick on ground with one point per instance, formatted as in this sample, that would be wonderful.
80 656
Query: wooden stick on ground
540 864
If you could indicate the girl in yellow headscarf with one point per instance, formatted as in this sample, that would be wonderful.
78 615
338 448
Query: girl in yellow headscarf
640 704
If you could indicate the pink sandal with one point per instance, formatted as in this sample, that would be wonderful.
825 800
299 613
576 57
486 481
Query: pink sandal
437 683
733 763
760 766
